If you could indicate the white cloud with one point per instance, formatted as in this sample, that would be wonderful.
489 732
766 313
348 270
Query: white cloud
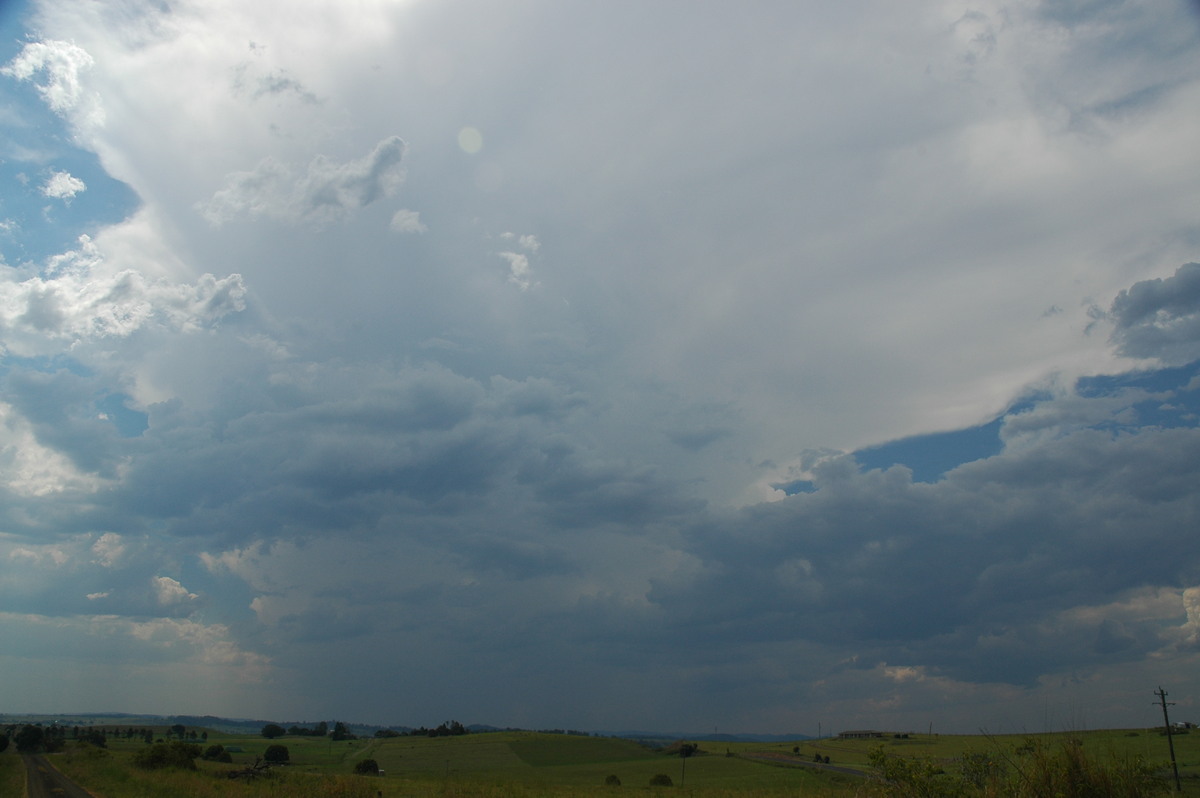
82 297
62 185
169 591
519 272
61 64
327 191
108 549
30 468
406 221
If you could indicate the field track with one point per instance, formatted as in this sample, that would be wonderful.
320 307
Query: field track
44 781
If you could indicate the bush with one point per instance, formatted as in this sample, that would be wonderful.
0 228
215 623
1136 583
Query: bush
276 754
612 781
273 730
661 780
366 767
175 754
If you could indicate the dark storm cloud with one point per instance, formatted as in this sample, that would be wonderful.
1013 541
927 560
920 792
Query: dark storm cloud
937 573
1160 318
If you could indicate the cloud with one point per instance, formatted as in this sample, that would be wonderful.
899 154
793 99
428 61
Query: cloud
169 591
108 549
82 297
519 273
1160 318
61 64
326 192
363 452
61 185
406 221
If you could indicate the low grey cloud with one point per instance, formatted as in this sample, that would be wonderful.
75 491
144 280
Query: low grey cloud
1160 318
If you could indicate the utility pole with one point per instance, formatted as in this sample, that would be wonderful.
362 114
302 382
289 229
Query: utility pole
1162 699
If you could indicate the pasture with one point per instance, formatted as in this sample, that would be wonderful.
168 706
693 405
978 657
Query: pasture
526 764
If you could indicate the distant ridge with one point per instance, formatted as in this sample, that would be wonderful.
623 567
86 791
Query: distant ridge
251 726
705 737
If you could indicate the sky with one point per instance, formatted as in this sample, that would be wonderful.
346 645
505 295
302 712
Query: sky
772 367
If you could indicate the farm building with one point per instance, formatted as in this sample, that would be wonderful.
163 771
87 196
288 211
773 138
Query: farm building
862 734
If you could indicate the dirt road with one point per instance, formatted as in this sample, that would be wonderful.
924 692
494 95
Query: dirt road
44 781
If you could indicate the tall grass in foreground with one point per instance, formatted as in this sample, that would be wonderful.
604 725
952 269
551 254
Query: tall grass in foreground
1032 770
12 773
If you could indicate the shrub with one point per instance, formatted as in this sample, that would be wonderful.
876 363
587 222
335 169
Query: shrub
366 767
175 754
612 781
213 753
661 780
276 754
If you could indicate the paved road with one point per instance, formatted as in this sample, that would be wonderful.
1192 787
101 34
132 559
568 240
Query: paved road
44 781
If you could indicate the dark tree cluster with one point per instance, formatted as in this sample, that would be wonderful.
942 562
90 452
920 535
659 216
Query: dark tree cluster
217 753
175 754
320 730
273 730
94 734
33 737
450 728
340 732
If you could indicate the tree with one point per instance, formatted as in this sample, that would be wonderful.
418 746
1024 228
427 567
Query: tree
179 730
175 754
273 730
3 743
366 767
94 737
276 754
29 739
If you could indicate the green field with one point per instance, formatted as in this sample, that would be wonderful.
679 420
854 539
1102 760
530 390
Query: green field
520 764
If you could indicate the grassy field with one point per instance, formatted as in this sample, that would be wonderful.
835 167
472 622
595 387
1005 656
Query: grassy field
12 773
525 764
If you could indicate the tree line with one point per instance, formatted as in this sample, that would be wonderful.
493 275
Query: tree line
450 728
34 737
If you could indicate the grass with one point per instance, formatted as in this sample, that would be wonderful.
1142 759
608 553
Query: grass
527 764
12 773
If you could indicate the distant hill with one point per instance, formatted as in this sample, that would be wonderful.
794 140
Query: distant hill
251 726
663 738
